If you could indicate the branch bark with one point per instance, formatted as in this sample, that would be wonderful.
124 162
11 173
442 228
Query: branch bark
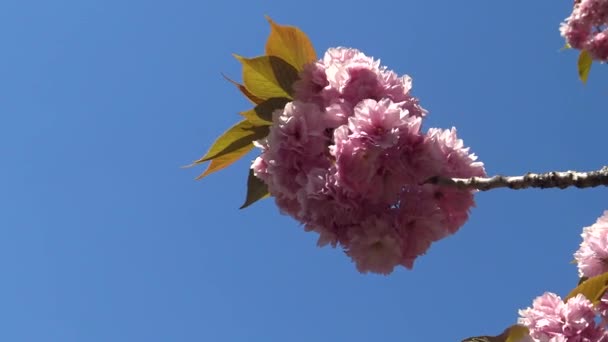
546 180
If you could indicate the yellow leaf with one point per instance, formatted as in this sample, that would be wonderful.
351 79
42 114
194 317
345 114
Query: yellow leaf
237 137
515 333
262 113
584 65
592 288
244 90
268 76
290 44
225 160
256 190
254 118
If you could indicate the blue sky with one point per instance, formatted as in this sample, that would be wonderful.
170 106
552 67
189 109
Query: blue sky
103 237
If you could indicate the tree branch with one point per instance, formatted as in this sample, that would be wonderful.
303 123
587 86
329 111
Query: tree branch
560 180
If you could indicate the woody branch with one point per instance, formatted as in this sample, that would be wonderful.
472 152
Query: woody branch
546 180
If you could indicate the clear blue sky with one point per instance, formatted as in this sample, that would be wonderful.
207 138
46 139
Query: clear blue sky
104 238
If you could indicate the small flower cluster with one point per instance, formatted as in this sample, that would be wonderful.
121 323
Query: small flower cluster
348 159
592 256
551 320
587 28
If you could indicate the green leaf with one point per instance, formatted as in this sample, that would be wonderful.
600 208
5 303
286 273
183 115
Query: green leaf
290 44
268 76
225 160
244 90
565 47
592 288
256 190
584 65
513 333
230 144
262 113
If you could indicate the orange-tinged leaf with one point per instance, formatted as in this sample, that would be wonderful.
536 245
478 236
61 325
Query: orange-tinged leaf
290 44
237 137
244 90
584 65
268 76
592 288
256 190
262 113
225 160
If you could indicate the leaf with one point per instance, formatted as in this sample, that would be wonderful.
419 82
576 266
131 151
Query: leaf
268 76
254 118
513 333
237 137
290 44
256 190
480 339
592 288
584 65
225 160
565 47
244 90
262 113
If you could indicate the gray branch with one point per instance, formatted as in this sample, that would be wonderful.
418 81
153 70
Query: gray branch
560 180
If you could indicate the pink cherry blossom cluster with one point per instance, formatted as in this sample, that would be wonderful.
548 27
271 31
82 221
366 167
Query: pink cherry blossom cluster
347 158
592 255
587 28
550 319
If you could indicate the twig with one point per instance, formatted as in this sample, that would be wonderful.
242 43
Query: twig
560 180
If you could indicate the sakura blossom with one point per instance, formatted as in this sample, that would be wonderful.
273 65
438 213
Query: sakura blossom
592 255
587 28
551 320
348 159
